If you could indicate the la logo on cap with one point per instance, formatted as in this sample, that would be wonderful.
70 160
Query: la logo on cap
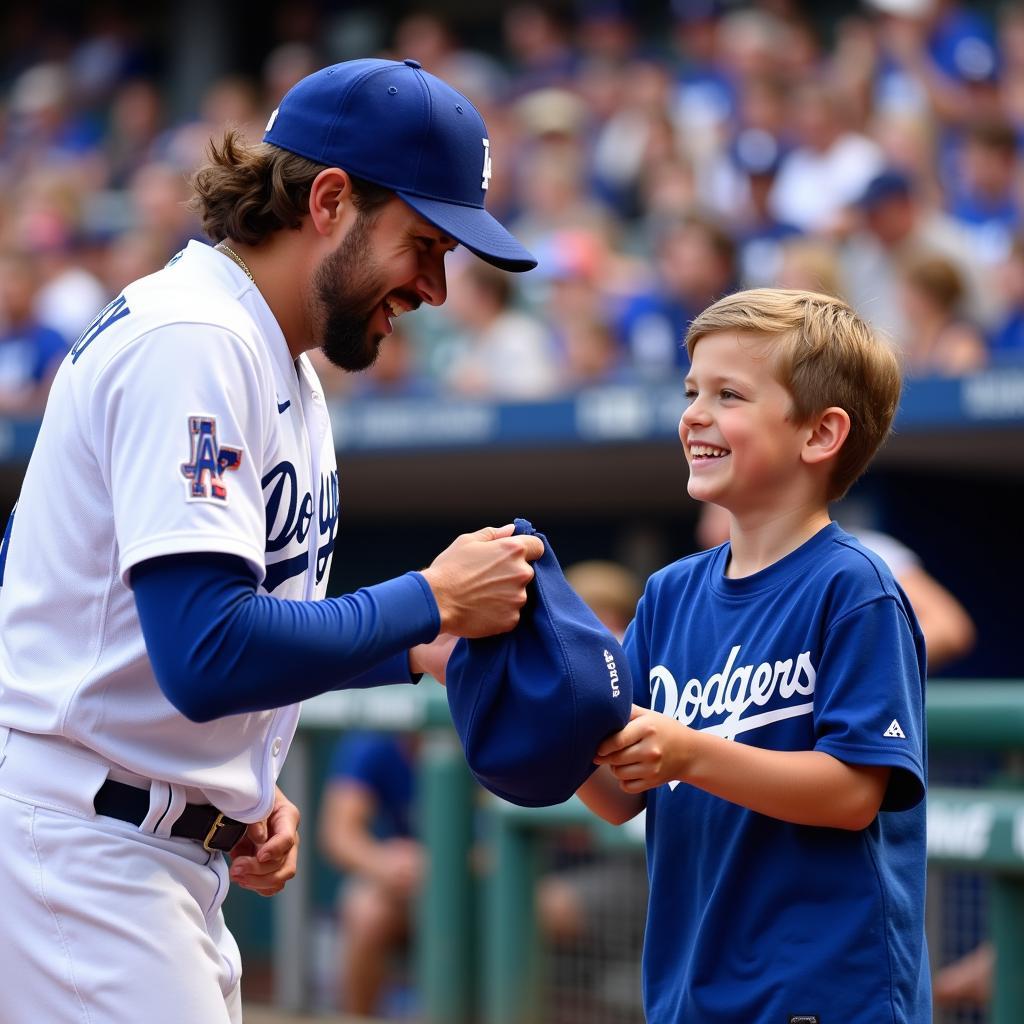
487 163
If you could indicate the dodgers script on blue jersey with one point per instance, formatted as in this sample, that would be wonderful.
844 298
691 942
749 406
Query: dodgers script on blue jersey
243 465
756 920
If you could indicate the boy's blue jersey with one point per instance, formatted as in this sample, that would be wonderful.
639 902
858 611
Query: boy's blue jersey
753 920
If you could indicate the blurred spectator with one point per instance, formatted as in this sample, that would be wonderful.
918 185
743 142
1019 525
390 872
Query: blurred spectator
45 128
1011 41
136 120
606 32
133 255
502 351
285 65
569 289
745 179
909 144
934 55
1008 337
895 224
830 166
536 37
640 132
811 264
940 60
591 352
365 830
756 144
159 195
30 352
799 53
948 629
967 981
577 289
427 37
938 338
552 183
666 193
395 374
705 98
47 223
229 100
696 264
985 195
606 118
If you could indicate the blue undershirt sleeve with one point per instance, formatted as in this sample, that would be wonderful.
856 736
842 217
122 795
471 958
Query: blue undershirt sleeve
219 648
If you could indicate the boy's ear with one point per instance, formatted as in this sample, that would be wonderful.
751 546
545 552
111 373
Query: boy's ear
827 434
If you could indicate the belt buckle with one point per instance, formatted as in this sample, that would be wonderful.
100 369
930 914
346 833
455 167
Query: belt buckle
210 843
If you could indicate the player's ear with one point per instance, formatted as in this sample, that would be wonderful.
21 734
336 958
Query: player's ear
828 431
330 200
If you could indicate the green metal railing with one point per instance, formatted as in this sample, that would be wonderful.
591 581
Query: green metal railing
977 829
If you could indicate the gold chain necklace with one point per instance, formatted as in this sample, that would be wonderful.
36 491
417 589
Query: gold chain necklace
232 255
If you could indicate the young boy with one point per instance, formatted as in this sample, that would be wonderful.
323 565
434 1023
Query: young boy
780 748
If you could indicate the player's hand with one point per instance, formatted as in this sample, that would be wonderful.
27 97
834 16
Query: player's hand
650 750
399 866
266 857
433 658
479 581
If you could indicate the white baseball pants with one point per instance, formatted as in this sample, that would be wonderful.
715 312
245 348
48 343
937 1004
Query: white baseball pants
101 922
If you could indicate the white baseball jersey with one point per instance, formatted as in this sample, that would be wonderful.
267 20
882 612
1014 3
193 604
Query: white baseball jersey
179 422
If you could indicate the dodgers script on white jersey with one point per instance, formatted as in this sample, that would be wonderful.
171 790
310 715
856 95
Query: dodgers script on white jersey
244 465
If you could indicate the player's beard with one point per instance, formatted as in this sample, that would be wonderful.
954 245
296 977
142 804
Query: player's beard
348 290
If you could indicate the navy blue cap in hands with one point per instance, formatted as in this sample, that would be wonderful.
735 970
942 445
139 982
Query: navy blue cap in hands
532 706
396 125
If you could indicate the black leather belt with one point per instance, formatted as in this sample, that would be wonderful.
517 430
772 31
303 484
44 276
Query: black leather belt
201 822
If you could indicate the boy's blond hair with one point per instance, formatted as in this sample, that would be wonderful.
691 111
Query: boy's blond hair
825 355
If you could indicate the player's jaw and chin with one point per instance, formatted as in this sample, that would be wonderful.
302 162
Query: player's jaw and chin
348 291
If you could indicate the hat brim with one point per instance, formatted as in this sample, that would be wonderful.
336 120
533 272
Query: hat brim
477 230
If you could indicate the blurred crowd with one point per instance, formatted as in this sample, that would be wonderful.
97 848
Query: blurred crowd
652 163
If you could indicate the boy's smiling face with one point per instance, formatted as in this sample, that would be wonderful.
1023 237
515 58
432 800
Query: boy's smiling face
742 448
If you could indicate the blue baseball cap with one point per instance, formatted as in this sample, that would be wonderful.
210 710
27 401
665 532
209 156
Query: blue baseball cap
532 706
394 124
890 183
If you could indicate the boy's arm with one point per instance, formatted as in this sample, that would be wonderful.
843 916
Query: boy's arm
806 787
607 799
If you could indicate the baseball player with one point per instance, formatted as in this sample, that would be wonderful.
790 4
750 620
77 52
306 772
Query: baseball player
162 577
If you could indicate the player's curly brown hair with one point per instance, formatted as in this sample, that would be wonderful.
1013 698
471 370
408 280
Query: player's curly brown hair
824 355
247 192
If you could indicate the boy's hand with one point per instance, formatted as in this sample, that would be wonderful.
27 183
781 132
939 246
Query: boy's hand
650 750
433 658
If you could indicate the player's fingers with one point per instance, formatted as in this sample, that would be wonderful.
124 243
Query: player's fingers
243 867
278 847
243 848
533 548
261 886
253 872
494 532
637 712
257 832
